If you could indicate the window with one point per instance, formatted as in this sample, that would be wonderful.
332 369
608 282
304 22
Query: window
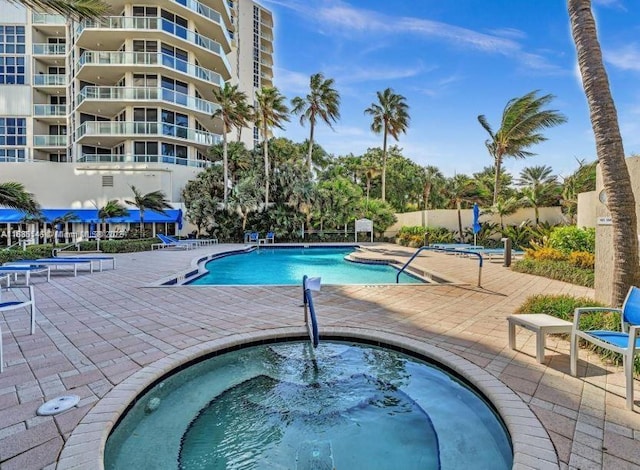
174 57
13 131
140 79
145 148
145 114
145 46
145 11
174 24
12 55
175 91
174 154
175 124
12 155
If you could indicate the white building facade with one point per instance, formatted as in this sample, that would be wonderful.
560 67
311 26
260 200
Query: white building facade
89 108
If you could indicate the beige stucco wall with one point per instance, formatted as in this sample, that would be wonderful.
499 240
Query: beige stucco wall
587 204
604 239
448 218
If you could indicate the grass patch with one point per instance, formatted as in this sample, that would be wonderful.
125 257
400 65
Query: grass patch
558 270
562 306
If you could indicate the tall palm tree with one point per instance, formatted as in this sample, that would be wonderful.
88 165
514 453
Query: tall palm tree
271 111
522 120
460 189
155 201
75 9
390 117
233 111
503 208
62 219
615 175
13 195
323 101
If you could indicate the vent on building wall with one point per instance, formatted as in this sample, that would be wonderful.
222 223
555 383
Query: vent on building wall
107 181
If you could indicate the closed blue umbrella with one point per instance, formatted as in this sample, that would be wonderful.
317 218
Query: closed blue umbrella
476 221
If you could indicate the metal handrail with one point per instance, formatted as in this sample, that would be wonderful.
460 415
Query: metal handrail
55 251
310 312
446 250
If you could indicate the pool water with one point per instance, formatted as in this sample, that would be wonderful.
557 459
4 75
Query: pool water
288 406
286 266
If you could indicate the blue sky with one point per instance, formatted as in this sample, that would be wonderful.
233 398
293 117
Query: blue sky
454 60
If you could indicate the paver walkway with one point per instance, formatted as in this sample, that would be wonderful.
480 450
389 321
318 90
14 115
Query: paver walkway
97 329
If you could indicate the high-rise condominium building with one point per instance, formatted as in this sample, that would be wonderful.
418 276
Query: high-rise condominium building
89 108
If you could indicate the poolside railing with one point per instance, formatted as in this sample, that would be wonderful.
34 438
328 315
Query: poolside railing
446 250
309 311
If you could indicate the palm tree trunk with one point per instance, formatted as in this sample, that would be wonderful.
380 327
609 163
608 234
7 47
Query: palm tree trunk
384 163
459 207
537 212
426 195
265 152
615 174
311 131
496 180
141 224
225 162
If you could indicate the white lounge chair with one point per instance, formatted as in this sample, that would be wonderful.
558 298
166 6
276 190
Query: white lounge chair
19 302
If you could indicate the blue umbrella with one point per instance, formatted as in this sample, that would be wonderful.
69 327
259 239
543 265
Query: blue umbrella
476 221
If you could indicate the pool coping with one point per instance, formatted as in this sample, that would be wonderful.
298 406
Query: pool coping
532 446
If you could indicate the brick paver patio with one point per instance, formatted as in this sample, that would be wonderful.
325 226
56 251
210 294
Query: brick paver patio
95 330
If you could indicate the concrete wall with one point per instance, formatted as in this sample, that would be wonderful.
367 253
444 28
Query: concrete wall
80 185
587 204
448 218
604 236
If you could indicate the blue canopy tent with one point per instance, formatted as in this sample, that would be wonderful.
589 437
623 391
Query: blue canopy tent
476 222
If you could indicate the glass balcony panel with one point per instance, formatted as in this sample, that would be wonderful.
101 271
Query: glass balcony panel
45 18
49 80
49 49
49 140
49 110
172 159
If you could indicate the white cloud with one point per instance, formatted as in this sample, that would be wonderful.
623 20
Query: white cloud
291 82
625 58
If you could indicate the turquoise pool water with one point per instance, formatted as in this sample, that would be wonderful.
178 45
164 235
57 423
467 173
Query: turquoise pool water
286 266
287 406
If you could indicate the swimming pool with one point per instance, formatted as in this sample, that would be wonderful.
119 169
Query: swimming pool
286 266
285 405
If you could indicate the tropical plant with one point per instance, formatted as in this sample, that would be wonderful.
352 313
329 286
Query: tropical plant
113 208
380 213
503 208
323 102
460 190
233 111
271 111
61 220
14 196
155 201
433 179
522 120
540 187
571 238
245 198
390 118
75 9
609 148
580 181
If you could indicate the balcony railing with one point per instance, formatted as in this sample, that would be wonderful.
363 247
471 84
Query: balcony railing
207 12
104 93
49 110
119 128
100 158
49 140
49 49
45 18
49 80
156 24
149 58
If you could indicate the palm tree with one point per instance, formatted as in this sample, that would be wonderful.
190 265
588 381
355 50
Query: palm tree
522 120
113 208
155 201
75 9
270 112
13 195
503 208
610 151
233 111
461 189
390 117
63 219
433 178
538 182
323 101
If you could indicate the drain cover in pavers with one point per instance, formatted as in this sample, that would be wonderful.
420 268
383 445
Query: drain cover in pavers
58 405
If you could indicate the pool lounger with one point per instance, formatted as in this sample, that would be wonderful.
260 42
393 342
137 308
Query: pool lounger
98 259
26 270
56 262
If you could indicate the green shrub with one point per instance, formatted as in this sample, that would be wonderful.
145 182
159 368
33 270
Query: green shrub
563 306
571 238
558 270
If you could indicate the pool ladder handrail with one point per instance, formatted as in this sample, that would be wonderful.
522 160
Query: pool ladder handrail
447 250
310 313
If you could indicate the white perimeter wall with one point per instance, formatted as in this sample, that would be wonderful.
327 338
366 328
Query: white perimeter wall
448 218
